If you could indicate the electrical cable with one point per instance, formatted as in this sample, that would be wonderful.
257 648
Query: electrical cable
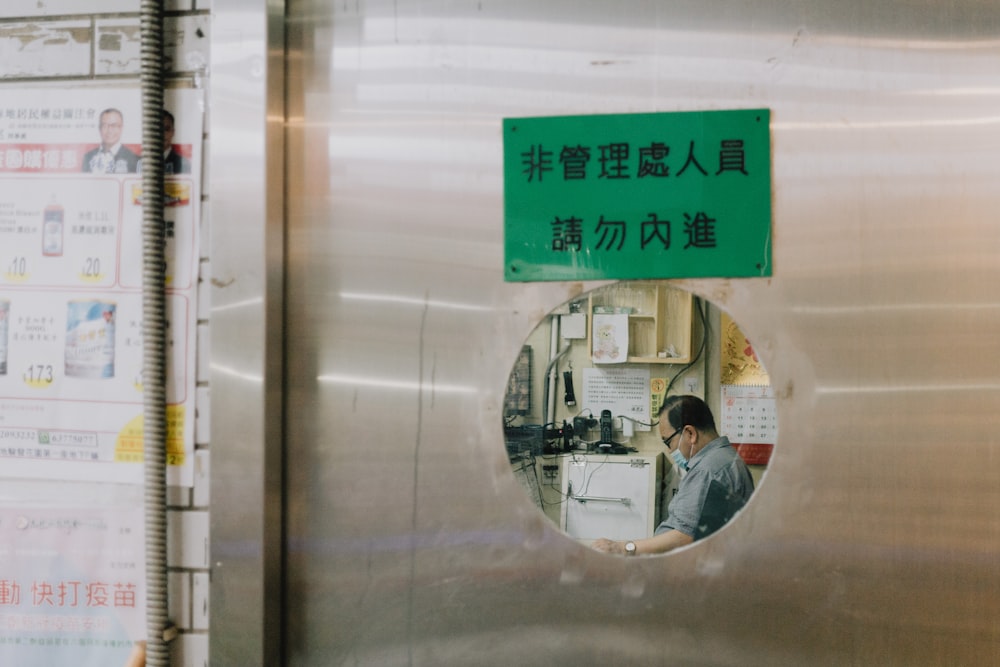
701 350
586 484
545 383
636 421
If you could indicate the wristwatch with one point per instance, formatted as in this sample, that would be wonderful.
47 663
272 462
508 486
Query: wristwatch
630 548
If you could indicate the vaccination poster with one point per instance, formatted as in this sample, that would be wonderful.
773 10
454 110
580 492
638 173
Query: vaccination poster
71 322
72 586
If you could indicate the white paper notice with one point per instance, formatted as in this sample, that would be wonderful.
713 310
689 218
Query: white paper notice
624 391
71 321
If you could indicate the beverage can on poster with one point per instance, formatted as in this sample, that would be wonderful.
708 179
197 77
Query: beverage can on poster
90 339
52 230
175 193
4 330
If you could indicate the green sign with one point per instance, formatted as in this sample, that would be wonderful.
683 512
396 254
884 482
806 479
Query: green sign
630 196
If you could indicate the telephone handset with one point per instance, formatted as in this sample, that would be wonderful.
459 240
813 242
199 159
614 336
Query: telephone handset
606 429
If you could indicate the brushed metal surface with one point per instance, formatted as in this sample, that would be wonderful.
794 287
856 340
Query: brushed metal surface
872 540
246 134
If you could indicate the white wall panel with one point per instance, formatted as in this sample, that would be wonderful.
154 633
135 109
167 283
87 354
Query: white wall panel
118 46
187 539
179 599
52 49
26 8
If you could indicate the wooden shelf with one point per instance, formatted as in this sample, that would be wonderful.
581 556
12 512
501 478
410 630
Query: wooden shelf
659 324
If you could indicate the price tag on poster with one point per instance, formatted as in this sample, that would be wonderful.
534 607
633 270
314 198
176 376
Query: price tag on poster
71 324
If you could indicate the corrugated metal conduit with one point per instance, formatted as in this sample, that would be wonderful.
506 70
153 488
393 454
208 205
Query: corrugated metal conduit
154 334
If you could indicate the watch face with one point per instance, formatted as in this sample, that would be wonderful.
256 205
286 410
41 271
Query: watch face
630 547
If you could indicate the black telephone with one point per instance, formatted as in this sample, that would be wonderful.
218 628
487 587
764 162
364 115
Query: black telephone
606 429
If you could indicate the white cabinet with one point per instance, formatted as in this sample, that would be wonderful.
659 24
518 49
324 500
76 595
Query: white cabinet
610 495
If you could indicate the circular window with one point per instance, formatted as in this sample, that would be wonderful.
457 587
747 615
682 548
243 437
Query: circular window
638 418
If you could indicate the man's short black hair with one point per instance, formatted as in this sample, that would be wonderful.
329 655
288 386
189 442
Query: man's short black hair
685 410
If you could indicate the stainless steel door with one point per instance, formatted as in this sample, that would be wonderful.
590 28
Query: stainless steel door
872 539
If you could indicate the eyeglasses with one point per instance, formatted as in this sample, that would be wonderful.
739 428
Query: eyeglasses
666 441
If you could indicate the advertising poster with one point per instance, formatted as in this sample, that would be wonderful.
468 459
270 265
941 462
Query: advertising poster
72 586
71 358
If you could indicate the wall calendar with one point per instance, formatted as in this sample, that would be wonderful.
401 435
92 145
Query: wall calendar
750 420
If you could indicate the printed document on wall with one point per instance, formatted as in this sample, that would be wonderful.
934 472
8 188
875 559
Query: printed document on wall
622 390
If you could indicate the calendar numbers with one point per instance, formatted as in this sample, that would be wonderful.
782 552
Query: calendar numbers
749 414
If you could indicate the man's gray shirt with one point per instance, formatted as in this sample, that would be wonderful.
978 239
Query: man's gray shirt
716 486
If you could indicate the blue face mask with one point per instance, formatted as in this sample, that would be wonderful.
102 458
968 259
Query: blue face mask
679 460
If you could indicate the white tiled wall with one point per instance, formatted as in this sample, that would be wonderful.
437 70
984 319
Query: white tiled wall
117 46
27 8
83 43
190 650
179 598
45 49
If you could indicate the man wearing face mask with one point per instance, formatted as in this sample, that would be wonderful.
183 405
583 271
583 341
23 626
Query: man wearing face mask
715 484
